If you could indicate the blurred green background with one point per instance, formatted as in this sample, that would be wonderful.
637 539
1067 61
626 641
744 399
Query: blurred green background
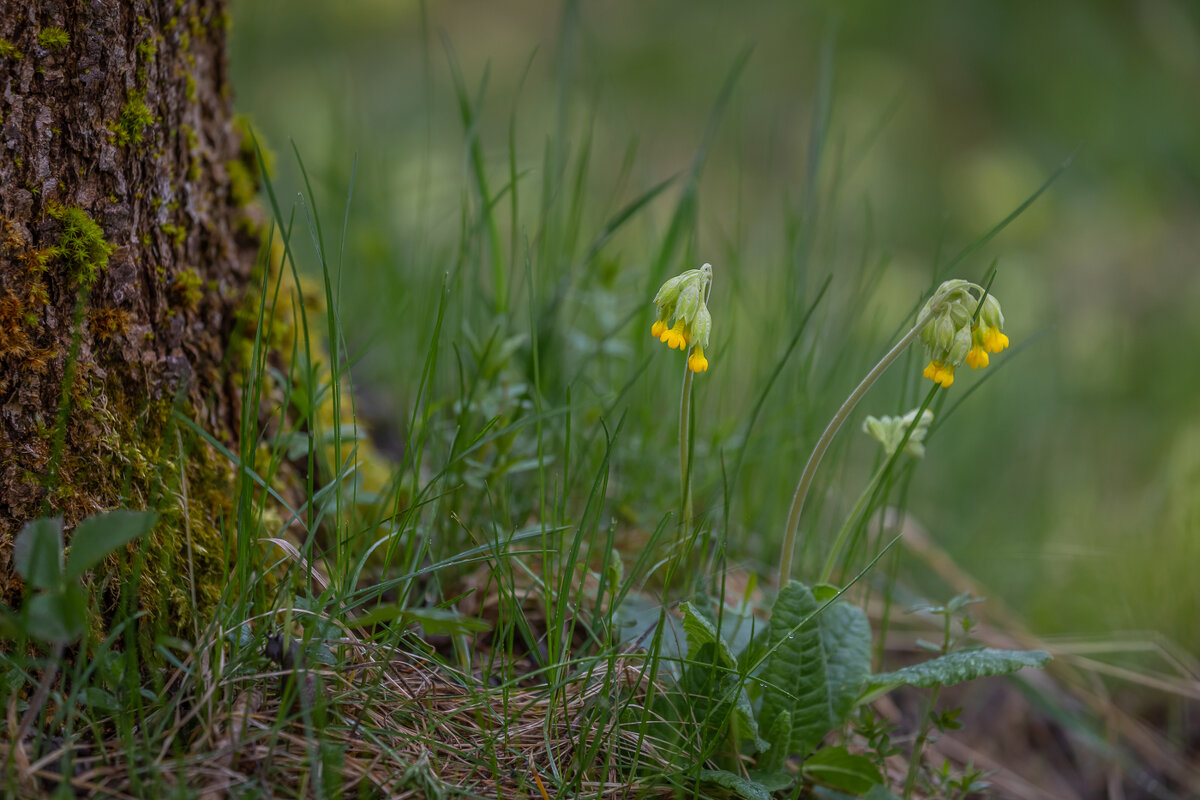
870 141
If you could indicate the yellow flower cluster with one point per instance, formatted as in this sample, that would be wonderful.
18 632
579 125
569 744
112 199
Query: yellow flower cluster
955 336
683 318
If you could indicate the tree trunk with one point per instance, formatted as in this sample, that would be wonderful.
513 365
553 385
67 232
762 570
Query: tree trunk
124 253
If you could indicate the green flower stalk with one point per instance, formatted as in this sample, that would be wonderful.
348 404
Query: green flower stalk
889 432
684 322
960 323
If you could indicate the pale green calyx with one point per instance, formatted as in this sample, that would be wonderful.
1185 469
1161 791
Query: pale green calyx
683 320
889 432
954 335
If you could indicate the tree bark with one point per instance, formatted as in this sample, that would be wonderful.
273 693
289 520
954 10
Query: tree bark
124 253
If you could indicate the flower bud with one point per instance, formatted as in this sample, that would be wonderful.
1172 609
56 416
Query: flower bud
889 431
683 320
954 335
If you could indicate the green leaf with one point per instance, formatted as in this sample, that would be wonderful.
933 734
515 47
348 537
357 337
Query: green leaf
635 622
445 621
880 792
99 535
37 552
814 673
846 645
956 668
717 680
843 770
435 621
778 728
58 616
742 787
772 781
700 631
100 700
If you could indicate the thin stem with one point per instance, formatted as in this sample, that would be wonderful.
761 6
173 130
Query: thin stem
914 762
814 460
870 488
867 491
685 413
37 702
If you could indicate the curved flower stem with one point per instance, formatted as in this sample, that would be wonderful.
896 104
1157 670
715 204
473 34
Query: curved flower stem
814 460
869 490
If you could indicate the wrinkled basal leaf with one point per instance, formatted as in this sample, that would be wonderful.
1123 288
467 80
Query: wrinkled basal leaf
955 668
700 631
841 769
742 787
723 686
814 673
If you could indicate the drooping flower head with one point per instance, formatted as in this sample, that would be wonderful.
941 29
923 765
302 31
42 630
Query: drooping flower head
683 319
955 335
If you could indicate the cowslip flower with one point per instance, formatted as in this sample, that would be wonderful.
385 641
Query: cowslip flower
889 431
955 335
683 320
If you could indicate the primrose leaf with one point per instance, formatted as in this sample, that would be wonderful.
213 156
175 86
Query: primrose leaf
99 535
814 673
843 770
952 668
59 616
435 621
742 787
700 631
37 552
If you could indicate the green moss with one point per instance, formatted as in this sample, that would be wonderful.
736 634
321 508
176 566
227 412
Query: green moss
244 171
53 38
193 147
176 232
81 245
242 184
147 49
190 88
188 289
182 567
246 151
135 118
9 50
36 262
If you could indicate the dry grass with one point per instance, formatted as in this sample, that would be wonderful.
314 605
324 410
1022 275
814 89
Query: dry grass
400 725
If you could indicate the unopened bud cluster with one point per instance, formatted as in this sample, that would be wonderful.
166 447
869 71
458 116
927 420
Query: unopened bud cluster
889 432
683 318
955 335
